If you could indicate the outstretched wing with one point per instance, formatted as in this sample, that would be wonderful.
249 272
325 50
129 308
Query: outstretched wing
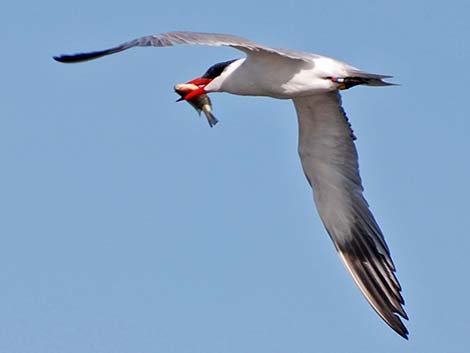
190 38
330 162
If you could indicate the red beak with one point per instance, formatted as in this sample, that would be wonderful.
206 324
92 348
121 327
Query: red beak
201 82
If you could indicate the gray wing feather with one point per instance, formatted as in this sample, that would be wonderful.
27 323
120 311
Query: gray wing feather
191 38
330 162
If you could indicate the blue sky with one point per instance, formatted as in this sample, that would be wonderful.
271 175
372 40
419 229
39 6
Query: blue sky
128 225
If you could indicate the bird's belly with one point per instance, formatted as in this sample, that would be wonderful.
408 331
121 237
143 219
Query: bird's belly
305 85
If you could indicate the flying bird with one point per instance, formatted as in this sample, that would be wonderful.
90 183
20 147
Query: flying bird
326 145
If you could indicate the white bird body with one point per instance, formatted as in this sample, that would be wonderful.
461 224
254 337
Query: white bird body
326 145
279 77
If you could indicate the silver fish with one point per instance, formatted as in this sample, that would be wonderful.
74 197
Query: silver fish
201 103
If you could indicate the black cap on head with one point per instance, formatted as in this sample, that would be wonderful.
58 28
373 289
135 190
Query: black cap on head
216 69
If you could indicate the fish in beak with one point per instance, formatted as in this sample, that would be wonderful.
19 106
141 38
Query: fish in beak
194 93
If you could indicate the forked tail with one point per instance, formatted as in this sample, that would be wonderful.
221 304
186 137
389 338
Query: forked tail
364 78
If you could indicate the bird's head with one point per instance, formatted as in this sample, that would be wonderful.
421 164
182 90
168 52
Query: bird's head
211 76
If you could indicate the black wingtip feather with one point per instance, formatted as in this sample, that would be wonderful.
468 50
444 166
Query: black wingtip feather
80 57
75 58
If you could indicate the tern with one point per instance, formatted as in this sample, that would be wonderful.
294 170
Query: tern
326 145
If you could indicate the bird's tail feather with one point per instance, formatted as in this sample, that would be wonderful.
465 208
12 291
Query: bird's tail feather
368 79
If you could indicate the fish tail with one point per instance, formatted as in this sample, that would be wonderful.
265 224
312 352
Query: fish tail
211 119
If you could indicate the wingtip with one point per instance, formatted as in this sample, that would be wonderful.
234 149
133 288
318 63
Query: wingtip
403 333
80 57
397 324
68 59
59 58
74 58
